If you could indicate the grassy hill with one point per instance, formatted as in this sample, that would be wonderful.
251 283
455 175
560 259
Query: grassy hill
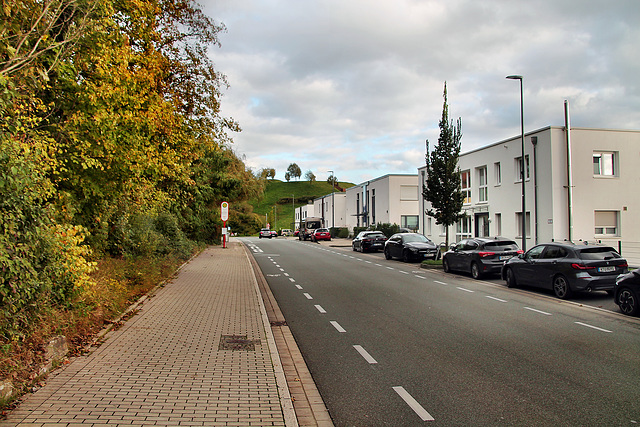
280 198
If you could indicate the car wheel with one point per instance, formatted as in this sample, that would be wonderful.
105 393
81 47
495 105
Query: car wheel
361 250
406 256
387 255
561 287
445 265
510 277
475 271
628 302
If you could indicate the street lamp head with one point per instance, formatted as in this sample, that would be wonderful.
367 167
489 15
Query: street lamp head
514 77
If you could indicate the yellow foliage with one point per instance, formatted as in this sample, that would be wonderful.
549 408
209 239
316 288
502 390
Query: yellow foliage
67 241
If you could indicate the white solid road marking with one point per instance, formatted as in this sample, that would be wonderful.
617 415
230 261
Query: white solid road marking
594 327
365 354
464 289
413 404
496 299
538 311
337 326
320 309
307 296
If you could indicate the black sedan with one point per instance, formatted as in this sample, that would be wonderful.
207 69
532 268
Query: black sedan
369 241
479 256
566 268
627 292
409 247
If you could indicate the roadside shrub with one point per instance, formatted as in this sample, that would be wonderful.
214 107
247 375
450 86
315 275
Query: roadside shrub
387 229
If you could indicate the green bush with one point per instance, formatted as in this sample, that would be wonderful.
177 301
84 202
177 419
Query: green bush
388 229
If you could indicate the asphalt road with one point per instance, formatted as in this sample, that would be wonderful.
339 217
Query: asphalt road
390 344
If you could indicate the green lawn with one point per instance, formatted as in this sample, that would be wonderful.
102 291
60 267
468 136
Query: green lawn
279 199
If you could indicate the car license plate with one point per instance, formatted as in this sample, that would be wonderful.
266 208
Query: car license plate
606 269
505 257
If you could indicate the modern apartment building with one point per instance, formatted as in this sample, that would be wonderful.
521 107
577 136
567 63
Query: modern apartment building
389 199
331 208
579 186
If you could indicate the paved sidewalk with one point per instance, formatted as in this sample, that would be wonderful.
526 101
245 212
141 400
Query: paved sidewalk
199 352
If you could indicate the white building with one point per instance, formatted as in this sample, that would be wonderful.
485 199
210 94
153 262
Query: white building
588 195
302 212
391 199
331 208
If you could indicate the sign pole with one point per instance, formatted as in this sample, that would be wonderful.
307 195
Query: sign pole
224 216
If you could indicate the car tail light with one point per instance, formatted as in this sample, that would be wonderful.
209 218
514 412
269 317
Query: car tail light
519 251
486 254
582 266
623 265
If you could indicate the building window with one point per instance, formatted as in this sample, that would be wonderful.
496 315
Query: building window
463 228
409 221
604 164
465 179
606 223
519 224
498 173
520 169
483 194
497 227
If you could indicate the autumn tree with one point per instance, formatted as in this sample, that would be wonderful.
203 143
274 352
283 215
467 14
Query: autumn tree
443 186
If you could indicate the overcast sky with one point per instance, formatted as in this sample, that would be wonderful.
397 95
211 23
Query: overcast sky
356 86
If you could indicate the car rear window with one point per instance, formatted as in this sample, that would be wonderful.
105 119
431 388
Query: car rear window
599 253
374 235
501 246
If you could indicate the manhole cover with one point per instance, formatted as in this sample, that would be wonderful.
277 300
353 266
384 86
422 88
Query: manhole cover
237 342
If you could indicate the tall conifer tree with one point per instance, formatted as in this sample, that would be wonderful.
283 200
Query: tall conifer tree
443 189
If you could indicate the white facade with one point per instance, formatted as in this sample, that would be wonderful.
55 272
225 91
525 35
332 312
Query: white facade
303 212
391 199
603 205
324 208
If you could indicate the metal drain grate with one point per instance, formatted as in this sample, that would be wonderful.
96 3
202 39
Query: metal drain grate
237 342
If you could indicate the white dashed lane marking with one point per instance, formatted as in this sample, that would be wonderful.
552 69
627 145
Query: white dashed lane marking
337 326
364 353
413 404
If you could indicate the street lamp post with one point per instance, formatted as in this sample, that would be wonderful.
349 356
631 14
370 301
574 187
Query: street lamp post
293 205
524 211
333 207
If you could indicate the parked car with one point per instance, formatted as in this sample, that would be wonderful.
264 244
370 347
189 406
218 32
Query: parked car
286 232
409 247
265 232
627 292
321 234
368 241
479 255
566 268
295 233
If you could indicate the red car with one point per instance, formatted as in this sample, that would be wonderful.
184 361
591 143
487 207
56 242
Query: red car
321 234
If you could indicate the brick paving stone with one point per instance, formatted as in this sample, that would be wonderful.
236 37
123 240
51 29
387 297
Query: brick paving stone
164 365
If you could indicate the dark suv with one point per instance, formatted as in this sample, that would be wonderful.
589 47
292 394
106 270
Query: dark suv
566 268
479 255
